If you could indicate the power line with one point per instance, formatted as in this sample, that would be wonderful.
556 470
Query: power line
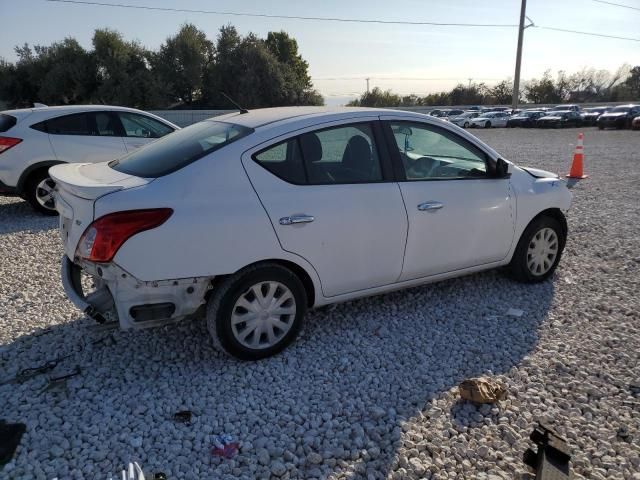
587 33
287 17
413 79
337 19
617 4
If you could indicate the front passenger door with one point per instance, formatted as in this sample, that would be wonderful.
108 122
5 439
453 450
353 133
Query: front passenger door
459 216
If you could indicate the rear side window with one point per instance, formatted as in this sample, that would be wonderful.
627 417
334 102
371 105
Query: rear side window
284 161
75 124
106 124
6 122
183 147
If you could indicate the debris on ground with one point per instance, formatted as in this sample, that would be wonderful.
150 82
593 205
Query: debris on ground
224 446
515 312
10 435
482 390
59 382
183 416
551 461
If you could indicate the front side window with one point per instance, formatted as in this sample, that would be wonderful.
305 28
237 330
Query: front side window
175 151
140 126
75 124
431 153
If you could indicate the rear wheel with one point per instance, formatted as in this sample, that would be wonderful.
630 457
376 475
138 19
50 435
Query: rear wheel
487 125
539 250
466 125
39 192
257 312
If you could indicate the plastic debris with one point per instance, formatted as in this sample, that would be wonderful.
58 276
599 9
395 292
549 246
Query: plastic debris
224 446
482 390
10 435
183 416
515 312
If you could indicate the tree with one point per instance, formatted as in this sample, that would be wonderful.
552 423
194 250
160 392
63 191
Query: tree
632 84
541 91
501 93
124 76
182 62
377 98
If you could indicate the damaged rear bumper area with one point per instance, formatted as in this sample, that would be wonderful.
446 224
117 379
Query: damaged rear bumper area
120 297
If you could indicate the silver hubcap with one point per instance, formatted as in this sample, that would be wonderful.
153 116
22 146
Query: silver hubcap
542 251
44 193
263 315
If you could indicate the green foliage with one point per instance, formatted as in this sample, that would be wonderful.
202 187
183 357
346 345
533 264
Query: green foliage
377 98
187 70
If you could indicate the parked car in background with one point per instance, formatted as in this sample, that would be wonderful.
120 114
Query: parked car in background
590 115
464 119
527 118
490 119
559 119
263 215
618 117
454 112
439 112
563 108
34 139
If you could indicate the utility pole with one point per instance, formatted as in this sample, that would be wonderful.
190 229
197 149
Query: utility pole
367 79
516 78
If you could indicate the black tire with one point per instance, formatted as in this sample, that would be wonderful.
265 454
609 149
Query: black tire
487 125
518 265
221 304
466 125
31 192
600 127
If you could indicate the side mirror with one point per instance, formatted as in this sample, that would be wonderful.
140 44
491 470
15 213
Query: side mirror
502 169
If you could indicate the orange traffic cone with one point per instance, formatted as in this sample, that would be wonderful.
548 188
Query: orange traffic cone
578 158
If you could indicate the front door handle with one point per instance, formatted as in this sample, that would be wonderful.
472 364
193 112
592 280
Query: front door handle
430 206
296 219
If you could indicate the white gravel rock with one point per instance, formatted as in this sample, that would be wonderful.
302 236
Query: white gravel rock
369 391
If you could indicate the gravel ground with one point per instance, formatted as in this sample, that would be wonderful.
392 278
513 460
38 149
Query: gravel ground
370 389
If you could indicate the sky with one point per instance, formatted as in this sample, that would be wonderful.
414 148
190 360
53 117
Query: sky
408 59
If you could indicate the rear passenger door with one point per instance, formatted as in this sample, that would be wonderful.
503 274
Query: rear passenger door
85 137
138 130
331 200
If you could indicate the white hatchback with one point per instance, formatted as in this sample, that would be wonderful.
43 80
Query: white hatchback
34 139
490 119
263 215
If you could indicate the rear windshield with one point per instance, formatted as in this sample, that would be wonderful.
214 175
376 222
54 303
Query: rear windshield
180 148
6 122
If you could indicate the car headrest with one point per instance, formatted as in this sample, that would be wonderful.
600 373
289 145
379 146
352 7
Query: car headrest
357 155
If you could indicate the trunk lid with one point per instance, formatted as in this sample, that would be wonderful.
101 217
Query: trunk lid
78 185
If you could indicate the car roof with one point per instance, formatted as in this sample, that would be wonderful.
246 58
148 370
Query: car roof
70 108
268 116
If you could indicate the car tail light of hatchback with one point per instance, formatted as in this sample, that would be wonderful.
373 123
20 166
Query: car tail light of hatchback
7 142
102 239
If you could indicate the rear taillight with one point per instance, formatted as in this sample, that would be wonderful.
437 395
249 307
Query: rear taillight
7 142
102 239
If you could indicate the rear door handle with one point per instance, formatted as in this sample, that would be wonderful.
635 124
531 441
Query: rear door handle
296 219
430 206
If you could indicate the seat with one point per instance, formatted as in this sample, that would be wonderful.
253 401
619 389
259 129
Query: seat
357 160
312 154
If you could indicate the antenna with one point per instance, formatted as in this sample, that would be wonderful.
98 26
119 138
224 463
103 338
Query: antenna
235 104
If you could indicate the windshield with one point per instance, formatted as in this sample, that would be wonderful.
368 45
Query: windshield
179 149
621 109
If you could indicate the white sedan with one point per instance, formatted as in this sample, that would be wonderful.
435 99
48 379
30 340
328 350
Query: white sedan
263 215
490 119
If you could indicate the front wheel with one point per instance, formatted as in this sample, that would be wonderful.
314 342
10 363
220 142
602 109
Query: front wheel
257 312
466 125
39 193
539 250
